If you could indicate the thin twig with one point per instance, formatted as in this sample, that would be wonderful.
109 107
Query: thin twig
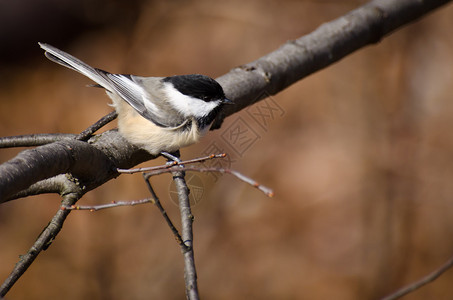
108 205
168 168
42 243
87 133
164 212
418 284
33 140
267 191
171 164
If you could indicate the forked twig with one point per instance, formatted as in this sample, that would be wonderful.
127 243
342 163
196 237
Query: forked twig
164 213
267 191
185 239
154 200
181 166
151 171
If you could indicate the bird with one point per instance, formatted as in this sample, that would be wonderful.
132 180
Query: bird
158 114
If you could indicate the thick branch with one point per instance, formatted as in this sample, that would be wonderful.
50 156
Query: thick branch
50 185
326 45
91 163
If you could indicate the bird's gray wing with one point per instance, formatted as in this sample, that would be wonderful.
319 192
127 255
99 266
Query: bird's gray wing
149 104
146 96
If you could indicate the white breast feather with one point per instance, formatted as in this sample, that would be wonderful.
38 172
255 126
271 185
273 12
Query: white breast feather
146 135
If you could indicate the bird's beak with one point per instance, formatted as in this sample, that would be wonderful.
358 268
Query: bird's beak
227 101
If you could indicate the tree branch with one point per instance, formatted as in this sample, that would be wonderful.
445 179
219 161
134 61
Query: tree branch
108 205
87 133
92 163
151 171
50 185
326 45
246 85
33 140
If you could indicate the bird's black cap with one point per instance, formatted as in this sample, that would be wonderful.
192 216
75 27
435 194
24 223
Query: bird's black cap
197 86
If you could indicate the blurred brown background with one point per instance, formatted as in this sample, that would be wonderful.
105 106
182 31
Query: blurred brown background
359 156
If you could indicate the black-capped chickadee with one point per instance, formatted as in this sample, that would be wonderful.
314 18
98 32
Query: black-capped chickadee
158 114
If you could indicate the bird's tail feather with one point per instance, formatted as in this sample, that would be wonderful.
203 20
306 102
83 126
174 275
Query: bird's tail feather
60 57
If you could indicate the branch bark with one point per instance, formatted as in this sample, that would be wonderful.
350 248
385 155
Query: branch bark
33 139
190 273
92 163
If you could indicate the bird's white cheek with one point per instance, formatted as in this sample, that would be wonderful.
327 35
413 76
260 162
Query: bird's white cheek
189 106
